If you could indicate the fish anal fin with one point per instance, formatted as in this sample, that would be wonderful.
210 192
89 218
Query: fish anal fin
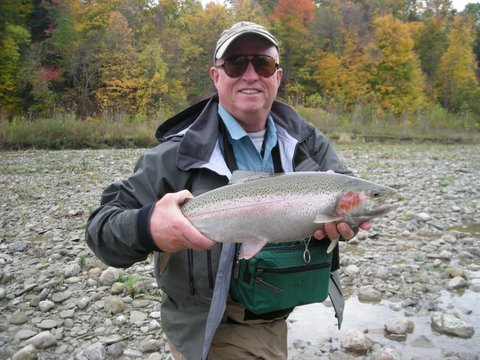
333 244
250 248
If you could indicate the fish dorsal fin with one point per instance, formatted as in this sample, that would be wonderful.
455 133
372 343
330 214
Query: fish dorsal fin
240 176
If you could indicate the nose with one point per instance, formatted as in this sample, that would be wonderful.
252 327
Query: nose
250 72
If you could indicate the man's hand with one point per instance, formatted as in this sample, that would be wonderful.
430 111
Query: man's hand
334 231
170 230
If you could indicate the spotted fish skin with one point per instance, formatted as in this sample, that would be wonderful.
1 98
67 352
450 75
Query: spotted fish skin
257 208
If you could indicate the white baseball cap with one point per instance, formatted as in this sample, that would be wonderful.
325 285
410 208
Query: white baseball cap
239 29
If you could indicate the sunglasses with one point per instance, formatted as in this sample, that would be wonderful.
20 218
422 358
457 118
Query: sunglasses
235 66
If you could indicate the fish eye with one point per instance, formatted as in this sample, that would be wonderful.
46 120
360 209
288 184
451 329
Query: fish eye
376 194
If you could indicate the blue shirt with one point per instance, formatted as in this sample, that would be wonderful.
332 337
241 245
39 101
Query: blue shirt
246 154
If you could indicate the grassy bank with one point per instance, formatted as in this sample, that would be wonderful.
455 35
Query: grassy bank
67 132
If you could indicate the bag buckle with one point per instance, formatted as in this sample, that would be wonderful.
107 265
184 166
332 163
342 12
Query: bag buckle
307 257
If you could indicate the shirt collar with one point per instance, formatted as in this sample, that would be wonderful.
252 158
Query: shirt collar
236 132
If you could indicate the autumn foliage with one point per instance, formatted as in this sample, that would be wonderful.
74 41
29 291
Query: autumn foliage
126 57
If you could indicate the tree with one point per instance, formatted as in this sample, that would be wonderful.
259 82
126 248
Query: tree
292 19
119 72
456 80
397 81
430 44
249 10
473 10
14 38
343 78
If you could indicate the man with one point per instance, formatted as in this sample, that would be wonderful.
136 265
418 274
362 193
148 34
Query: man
242 127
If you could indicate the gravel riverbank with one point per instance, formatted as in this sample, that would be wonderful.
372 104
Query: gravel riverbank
412 282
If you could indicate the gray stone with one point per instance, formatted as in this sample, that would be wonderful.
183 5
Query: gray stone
28 352
83 303
369 294
457 282
155 356
356 342
423 342
138 317
61 296
451 325
95 352
110 276
25 334
135 354
43 340
18 318
423 216
117 288
396 326
46 305
72 270
385 354
114 305
351 270
65 314
150 345
47 324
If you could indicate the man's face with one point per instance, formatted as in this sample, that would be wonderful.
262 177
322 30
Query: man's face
248 97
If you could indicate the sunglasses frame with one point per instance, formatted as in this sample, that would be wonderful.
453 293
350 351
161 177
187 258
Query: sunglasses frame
239 68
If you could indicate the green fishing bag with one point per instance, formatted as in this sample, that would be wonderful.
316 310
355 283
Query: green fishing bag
282 276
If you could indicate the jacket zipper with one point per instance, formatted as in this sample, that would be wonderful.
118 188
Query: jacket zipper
209 269
190 271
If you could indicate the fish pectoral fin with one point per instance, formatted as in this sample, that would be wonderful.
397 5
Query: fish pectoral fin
250 248
322 219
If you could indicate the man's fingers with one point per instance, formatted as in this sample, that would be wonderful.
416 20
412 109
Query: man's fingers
345 231
331 230
195 239
365 225
319 234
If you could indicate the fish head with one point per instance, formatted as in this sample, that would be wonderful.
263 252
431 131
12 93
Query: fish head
365 202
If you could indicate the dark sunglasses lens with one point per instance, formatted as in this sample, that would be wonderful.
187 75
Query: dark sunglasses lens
236 67
265 66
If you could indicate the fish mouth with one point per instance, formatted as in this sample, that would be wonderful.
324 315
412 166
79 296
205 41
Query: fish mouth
386 204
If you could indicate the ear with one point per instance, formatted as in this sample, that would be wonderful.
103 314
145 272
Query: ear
214 75
279 75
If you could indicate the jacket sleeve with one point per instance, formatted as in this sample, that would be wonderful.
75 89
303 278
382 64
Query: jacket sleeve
118 231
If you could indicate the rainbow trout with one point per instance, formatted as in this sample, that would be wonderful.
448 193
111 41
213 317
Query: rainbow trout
258 208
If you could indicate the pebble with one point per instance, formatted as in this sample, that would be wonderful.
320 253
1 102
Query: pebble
369 294
356 342
114 305
55 296
46 305
28 352
18 318
43 340
457 282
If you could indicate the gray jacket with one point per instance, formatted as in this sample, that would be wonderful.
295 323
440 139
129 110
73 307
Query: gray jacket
189 157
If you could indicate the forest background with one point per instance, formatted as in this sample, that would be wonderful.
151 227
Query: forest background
96 73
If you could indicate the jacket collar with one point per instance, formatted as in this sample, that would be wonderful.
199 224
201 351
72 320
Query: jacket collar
197 130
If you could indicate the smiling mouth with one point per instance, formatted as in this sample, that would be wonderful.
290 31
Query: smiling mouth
249 92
